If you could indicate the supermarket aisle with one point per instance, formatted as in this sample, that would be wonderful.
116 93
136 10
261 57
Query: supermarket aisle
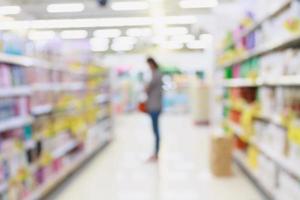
120 173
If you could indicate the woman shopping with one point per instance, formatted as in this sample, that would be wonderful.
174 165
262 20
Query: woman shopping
154 103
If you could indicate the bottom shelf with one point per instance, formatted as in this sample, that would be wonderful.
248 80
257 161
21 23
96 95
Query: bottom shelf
240 160
56 180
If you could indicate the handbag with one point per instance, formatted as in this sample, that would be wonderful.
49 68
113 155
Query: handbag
142 107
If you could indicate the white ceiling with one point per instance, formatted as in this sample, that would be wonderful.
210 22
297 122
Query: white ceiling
208 20
36 9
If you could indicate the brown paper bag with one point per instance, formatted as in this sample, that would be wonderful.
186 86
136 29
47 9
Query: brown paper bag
221 156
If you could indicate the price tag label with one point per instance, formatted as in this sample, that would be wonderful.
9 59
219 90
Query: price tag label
252 157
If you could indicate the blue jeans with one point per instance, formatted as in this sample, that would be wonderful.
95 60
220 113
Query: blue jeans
155 125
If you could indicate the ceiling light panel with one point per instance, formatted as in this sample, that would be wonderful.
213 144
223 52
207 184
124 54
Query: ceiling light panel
196 44
74 34
125 40
129 5
65 7
198 3
10 10
108 33
99 44
139 32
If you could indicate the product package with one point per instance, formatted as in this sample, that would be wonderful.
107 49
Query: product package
221 156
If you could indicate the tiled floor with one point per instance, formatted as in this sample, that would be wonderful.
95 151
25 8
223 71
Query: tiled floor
121 173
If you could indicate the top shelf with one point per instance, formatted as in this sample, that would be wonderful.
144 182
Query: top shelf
272 14
33 62
284 44
269 16
17 60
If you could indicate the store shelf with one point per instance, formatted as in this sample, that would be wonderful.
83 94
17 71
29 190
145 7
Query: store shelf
3 187
284 44
43 87
274 13
239 82
274 118
75 86
27 61
16 122
290 80
258 24
42 109
281 161
17 60
56 180
15 91
268 192
63 150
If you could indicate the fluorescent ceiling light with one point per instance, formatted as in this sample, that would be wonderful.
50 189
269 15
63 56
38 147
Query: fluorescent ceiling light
94 22
99 44
183 38
10 10
99 48
41 35
65 7
139 32
172 45
125 40
175 31
99 41
198 3
74 34
196 44
109 33
130 5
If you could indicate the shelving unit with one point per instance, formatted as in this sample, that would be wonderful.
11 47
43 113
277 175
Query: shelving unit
291 80
59 178
247 87
15 123
73 102
294 41
239 158
15 91
282 162
269 16
43 109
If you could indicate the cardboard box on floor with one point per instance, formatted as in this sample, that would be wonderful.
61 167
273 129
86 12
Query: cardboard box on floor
221 156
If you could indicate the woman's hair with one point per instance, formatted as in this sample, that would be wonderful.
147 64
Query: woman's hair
151 61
